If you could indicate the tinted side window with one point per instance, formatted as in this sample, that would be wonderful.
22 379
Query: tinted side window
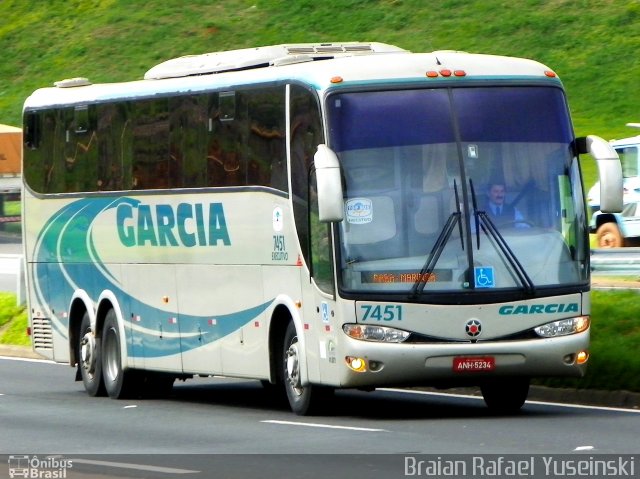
188 120
306 134
214 139
150 120
247 139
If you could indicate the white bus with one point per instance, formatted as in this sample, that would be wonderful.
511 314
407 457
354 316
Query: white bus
311 216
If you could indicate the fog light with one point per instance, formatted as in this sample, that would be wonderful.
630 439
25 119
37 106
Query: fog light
359 365
582 357
375 366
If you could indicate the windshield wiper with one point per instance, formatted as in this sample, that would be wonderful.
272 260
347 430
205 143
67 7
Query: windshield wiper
483 221
438 247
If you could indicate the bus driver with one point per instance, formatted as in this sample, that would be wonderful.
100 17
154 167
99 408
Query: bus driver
498 210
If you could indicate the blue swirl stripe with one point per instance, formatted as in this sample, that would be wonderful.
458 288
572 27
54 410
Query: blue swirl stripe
66 259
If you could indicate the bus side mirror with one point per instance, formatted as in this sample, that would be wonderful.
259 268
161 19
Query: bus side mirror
609 171
329 182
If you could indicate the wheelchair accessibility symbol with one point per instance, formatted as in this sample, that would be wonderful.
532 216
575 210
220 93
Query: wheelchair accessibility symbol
484 277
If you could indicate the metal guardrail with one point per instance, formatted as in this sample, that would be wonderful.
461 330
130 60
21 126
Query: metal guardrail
619 261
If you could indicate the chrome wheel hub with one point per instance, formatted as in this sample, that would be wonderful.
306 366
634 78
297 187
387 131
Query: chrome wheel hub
293 368
88 352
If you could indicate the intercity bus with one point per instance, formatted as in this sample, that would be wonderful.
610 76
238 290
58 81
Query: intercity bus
312 216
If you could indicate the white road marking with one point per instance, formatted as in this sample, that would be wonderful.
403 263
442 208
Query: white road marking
542 403
326 426
584 448
31 360
584 406
137 467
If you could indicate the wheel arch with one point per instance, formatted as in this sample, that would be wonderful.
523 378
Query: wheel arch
606 218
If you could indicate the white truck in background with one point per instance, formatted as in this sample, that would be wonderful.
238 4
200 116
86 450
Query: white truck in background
614 230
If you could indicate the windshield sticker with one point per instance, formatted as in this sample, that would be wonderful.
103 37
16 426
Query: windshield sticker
359 211
484 277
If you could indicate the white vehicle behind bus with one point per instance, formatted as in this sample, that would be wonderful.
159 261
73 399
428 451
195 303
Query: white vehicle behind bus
620 229
315 217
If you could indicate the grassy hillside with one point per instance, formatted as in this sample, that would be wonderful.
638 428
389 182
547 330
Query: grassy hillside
592 44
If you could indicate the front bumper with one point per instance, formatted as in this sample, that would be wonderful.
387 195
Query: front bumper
419 364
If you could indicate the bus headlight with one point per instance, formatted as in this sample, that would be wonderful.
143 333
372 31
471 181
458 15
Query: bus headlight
563 327
381 334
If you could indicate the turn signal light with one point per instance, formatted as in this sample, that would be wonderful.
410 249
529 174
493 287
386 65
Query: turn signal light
582 357
359 365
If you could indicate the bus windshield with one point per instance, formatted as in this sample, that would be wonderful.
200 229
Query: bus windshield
458 189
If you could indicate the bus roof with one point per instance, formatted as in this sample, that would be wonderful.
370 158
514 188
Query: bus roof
319 65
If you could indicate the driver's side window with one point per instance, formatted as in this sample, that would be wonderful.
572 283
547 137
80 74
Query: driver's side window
321 261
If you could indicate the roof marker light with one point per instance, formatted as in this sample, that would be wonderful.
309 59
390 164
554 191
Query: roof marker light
550 74
459 73
432 74
336 79
445 72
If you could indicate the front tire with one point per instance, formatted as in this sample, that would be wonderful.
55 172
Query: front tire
303 400
90 359
118 381
608 236
505 396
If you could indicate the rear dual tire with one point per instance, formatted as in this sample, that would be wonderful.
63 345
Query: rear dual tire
122 383
117 381
90 359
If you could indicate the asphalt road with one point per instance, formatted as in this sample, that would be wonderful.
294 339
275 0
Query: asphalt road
44 410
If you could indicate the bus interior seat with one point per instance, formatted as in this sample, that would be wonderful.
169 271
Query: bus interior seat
430 215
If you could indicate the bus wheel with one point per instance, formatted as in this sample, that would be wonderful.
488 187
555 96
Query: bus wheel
608 236
304 400
505 395
90 363
117 381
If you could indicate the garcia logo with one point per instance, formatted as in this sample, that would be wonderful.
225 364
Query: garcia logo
539 308
165 225
359 211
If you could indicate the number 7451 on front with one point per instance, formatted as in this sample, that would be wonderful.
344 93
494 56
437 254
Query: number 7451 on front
380 312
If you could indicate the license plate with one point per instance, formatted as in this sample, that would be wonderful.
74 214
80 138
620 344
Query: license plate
473 364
